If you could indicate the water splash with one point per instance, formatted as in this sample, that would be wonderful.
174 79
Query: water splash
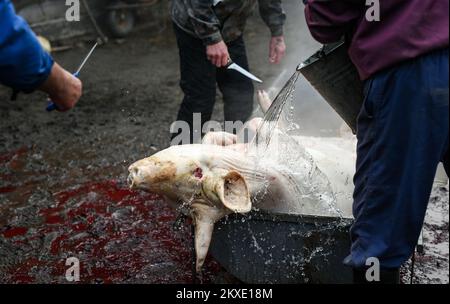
273 116
306 190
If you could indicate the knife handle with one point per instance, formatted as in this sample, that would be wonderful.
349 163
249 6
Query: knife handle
230 62
51 105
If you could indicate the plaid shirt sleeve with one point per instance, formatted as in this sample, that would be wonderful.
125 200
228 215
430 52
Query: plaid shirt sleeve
204 21
272 13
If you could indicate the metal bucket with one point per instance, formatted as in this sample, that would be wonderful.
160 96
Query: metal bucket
263 248
331 72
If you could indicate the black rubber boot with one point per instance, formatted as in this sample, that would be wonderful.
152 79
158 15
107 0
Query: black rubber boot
387 276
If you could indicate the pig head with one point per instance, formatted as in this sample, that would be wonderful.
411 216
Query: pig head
196 177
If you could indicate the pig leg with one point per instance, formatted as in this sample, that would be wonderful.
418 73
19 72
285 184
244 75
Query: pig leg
264 100
204 219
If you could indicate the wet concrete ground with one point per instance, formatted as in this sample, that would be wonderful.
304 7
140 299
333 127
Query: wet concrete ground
62 176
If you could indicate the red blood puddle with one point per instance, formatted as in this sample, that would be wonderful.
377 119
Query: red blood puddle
118 235
13 232
8 189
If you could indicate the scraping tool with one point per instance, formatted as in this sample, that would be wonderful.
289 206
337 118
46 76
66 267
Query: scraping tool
52 106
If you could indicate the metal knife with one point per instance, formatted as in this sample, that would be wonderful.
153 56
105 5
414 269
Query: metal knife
233 66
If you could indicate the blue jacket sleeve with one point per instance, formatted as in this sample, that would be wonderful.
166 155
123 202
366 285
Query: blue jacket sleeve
24 65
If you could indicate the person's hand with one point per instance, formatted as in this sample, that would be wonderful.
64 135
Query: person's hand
63 88
277 49
218 54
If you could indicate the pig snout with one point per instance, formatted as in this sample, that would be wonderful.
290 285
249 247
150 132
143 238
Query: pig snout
150 173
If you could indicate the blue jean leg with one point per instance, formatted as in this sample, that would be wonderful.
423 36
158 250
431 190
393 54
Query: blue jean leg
403 132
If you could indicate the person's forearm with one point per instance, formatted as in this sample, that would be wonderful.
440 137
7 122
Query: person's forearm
25 66
329 21
272 13
62 88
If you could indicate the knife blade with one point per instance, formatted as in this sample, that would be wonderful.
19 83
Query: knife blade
52 106
233 66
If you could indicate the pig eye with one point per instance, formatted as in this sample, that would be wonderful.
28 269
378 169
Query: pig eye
198 173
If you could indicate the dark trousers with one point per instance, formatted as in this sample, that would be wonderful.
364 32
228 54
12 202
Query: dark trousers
199 77
403 134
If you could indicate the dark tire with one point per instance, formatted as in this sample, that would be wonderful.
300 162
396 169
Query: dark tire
120 22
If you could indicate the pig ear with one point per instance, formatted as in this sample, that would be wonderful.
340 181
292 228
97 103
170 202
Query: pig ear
233 192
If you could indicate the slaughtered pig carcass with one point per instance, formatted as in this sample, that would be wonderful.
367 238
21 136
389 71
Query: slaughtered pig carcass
222 176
